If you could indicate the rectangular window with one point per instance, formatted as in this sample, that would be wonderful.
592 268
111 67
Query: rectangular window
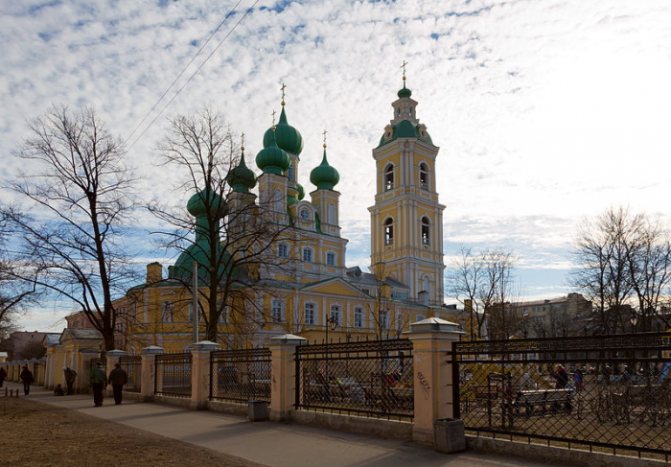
309 313
358 317
282 250
335 318
307 255
167 312
330 259
277 311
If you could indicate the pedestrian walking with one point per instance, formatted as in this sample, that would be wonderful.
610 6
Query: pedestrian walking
27 379
3 375
70 376
117 379
98 381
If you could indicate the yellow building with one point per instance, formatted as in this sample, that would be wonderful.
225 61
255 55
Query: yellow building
305 287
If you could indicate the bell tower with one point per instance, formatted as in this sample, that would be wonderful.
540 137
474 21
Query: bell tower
407 219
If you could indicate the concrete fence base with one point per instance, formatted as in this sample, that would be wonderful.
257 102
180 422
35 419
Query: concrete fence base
544 453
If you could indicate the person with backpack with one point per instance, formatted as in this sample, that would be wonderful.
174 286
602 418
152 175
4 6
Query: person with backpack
98 380
27 379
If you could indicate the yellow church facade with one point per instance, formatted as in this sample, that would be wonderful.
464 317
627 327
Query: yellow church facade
306 288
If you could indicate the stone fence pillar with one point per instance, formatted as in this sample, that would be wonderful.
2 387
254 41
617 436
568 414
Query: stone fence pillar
148 371
200 373
283 375
432 340
111 359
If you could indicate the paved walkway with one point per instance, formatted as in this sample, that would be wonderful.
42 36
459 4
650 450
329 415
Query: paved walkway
269 443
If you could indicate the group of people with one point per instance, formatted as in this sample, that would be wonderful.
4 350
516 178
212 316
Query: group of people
97 379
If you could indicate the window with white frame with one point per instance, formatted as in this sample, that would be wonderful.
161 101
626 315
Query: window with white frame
307 255
330 258
309 310
283 250
336 315
277 310
167 312
358 317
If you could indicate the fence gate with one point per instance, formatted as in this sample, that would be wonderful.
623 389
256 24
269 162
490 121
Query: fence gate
602 393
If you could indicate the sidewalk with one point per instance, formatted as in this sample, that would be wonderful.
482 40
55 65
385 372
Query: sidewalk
269 443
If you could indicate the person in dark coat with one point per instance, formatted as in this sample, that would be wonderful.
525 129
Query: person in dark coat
3 375
117 379
98 381
561 377
27 378
70 376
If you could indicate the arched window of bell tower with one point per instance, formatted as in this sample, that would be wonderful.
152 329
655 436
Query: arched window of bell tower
389 177
426 231
423 176
388 231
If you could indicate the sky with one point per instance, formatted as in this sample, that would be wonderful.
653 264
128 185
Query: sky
546 112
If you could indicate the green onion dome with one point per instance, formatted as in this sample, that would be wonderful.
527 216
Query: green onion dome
241 178
324 177
286 136
404 92
301 191
272 159
199 203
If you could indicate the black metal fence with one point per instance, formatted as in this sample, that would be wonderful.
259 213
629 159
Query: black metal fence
132 364
173 375
369 378
240 375
602 393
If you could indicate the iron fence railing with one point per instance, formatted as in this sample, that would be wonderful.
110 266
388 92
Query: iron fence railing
240 375
608 393
173 375
368 378
132 365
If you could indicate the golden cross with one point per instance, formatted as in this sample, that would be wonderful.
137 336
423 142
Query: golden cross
242 145
403 66
282 88
324 135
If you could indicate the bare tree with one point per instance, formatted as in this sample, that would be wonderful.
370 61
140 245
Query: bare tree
624 266
234 235
482 282
649 264
78 190
14 293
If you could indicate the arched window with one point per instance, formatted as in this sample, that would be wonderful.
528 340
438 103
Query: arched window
389 177
305 214
426 235
389 231
423 176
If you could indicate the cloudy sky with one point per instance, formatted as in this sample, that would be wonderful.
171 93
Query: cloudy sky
546 111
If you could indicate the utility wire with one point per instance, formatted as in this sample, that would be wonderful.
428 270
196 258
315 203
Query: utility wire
202 47
193 75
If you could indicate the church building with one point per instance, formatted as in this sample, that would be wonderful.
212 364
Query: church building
315 294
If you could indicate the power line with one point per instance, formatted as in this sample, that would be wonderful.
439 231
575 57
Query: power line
202 47
194 74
